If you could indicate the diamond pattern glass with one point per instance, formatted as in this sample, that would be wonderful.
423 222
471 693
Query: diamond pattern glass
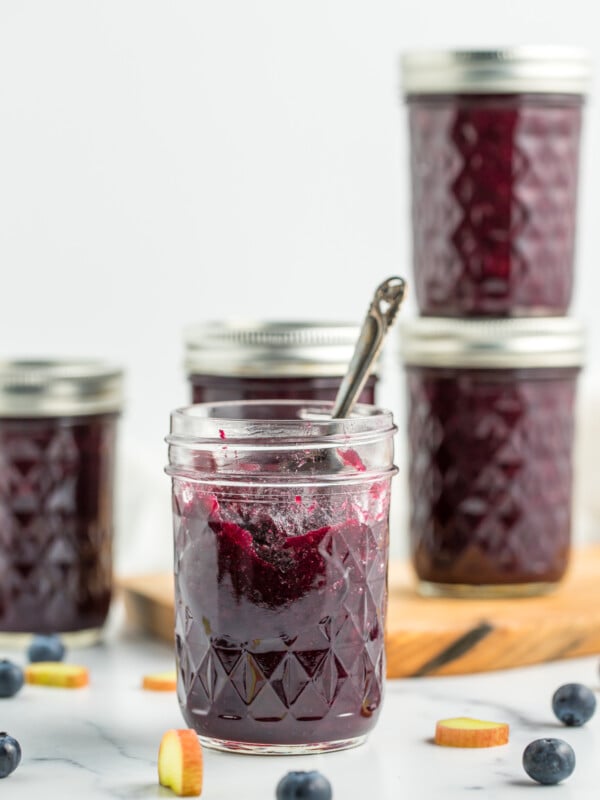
55 523
490 474
280 611
494 182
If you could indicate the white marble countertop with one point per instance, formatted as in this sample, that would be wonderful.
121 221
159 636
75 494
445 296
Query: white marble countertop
102 741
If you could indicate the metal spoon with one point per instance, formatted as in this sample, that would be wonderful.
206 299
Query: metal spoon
380 317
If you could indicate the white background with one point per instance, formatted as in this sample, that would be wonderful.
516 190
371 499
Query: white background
169 162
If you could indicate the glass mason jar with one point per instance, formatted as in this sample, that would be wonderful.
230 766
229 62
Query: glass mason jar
57 447
491 417
281 549
270 360
494 151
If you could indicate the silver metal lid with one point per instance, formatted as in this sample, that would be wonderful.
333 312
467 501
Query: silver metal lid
55 388
492 344
270 349
561 70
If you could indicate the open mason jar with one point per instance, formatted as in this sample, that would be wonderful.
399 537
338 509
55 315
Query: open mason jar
281 549
252 360
494 153
58 423
491 419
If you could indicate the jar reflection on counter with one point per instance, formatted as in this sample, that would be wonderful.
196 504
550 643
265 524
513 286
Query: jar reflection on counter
58 423
494 147
270 360
491 424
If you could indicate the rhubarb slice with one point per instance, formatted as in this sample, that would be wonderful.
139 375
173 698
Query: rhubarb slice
466 732
160 681
55 673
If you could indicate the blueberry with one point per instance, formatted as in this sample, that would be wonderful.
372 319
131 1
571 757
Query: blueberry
10 754
303 786
11 678
548 761
574 704
46 648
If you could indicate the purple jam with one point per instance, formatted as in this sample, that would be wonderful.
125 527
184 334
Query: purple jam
280 610
212 388
56 522
494 195
490 474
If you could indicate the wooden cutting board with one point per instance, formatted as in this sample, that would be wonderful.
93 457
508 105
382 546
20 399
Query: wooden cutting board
430 636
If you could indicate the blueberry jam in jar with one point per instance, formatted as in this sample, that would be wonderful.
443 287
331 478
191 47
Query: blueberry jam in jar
494 147
270 360
57 446
281 549
491 420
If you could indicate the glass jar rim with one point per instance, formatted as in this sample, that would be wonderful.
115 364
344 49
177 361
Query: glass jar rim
216 423
212 443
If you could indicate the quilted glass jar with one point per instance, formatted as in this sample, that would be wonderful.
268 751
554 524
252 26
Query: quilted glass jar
281 549
57 448
491 417
494 149
270 360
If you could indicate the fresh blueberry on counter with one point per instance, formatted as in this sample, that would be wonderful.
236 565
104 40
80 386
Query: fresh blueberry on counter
11 678
46 648
548 761
574 704
10 754
303 786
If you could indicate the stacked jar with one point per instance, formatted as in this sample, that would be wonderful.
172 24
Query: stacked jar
493 359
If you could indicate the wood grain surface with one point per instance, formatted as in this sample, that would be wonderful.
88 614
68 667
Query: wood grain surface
431 636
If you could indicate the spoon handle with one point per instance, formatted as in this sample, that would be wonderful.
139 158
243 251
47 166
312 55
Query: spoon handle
380 316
